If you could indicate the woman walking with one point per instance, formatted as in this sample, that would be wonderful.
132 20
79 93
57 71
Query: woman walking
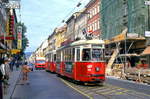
25 70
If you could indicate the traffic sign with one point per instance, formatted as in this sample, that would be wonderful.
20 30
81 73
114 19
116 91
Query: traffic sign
147 2
147 33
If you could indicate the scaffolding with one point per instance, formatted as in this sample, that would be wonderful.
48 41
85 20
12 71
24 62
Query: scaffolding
116 15
123 25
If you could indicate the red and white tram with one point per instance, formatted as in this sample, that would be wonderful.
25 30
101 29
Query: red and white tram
82 60
50 61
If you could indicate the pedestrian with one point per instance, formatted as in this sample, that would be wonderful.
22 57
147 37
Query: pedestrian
6 76
17 64
7 68
25 70
1 77
12 62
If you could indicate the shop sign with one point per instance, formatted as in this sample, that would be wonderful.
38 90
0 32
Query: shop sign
15 51
19 32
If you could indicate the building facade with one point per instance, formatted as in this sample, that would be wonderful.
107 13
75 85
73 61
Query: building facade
93 23
81 25
116 15
59 36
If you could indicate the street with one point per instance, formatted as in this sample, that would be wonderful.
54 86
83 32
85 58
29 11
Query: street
77 49
44 85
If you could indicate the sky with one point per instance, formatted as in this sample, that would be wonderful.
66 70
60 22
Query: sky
41 17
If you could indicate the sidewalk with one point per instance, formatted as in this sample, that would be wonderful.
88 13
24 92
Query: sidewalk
14 77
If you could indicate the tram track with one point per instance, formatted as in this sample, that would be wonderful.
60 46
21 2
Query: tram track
106 92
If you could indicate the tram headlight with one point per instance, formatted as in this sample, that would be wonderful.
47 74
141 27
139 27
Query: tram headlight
97 69
89 66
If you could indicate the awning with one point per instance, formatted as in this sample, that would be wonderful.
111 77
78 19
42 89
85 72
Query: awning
146 51
15 51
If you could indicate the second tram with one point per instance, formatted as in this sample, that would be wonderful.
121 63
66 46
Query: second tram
51 58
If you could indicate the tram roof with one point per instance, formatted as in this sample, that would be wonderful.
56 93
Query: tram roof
83 42
53 51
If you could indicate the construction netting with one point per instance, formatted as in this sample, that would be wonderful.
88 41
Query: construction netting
116 15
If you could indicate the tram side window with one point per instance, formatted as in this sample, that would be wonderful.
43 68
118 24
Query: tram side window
49 57
78 54
72 54
58 56
86 55
54 56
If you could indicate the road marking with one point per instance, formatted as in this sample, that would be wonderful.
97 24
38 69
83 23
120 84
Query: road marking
111 91
122 92
129 90
77 89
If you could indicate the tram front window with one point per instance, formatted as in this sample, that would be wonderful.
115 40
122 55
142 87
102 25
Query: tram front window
86 56
97 54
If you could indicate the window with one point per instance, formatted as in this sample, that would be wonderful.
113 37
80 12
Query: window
95 25
97 54
86 56
78 54
98 24
54 56
68 54
95 10
90 13
98 9
58 56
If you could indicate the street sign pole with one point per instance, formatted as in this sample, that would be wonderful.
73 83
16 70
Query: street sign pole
147 33
148 4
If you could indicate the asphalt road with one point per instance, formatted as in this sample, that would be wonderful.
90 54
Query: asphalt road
113 89
45 85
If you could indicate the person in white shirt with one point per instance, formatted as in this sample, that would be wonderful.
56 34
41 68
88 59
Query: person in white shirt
2 73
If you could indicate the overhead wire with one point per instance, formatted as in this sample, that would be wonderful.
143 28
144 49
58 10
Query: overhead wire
77 5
